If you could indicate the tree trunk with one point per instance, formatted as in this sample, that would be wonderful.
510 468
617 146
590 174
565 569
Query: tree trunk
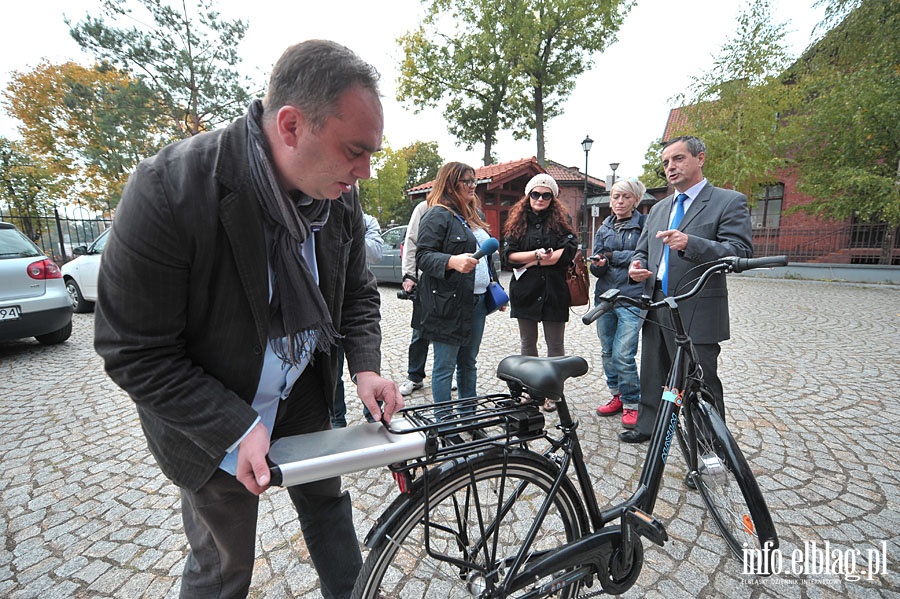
488 148
539 124
887 243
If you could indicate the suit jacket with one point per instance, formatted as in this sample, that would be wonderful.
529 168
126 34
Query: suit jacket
718 225
182 316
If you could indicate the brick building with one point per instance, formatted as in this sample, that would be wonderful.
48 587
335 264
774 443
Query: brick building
779 228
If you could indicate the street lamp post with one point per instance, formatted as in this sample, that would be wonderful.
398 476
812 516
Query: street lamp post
586 146
614 166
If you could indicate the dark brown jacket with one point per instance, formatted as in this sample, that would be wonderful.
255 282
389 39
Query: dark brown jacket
182 314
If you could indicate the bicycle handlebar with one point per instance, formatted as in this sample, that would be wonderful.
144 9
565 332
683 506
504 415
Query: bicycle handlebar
729 264
742 264
597 311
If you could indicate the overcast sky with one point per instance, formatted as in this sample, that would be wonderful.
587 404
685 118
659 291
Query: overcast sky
622 102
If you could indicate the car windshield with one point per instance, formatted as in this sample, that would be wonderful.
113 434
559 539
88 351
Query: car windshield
100 243
13 244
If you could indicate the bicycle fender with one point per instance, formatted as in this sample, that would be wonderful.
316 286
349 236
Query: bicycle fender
376 534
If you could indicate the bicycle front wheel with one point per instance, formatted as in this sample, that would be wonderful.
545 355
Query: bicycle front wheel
729 488
463 535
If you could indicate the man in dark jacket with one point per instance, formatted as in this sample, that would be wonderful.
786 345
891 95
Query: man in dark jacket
696 224
236 262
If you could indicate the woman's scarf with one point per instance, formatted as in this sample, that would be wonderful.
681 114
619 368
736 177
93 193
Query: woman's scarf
300 322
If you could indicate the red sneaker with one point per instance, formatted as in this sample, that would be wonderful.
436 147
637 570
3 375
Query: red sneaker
613 406
629 418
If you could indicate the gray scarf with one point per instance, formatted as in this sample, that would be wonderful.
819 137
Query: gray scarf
300 322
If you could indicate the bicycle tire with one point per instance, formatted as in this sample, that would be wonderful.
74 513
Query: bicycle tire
459 510
729 489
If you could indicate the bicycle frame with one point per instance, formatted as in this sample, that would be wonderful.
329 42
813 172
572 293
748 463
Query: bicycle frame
609 550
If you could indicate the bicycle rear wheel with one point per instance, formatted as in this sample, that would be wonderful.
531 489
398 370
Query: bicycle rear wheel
464 535
730 490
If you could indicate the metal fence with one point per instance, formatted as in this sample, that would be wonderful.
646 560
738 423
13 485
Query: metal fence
57 234
862 243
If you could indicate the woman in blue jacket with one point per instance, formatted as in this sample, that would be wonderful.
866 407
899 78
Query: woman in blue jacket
618 329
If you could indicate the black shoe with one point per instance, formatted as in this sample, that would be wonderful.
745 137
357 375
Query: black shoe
633 436
689 482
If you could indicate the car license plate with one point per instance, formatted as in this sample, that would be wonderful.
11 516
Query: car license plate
10 313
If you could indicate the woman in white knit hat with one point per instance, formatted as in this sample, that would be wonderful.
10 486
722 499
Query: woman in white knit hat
539 239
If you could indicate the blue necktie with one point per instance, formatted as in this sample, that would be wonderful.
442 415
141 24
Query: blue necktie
676 220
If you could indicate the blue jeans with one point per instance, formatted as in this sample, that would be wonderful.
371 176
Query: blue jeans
461 358
618 331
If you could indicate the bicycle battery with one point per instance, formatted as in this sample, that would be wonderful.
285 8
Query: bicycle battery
315 456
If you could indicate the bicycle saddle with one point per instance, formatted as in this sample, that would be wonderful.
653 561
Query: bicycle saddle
542 377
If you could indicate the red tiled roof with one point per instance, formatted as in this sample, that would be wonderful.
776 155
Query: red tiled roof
497 174
570 174
679 120
492 172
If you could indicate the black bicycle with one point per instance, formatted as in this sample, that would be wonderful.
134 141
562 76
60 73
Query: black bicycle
491 511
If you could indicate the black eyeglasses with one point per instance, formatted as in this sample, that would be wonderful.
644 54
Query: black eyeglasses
536 195
469 182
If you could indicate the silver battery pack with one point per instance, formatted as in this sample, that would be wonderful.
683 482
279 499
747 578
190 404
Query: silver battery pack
324 454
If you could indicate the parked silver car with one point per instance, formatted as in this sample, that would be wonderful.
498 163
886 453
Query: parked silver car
80 275
33 298
390 268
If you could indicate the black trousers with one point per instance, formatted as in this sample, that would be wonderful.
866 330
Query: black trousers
657 352
220 518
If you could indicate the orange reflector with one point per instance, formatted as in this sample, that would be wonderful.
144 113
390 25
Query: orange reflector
748 524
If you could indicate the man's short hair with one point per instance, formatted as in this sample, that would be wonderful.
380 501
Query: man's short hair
312 75
695 145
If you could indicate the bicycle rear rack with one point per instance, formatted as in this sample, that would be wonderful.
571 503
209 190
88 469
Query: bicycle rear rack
459 427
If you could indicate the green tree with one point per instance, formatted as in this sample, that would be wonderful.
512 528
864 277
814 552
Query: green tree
555 41
27 186
503 64
457 55
735 107
188 56
383 196
845 136
653 175
423 162
89 126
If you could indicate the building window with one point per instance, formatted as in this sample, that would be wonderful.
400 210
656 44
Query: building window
766 214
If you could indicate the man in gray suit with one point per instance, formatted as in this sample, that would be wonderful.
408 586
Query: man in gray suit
236 262
697 224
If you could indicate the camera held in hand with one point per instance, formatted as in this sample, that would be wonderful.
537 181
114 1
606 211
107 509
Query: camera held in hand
406 295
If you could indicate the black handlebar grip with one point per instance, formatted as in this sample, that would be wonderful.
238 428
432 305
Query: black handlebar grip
743 264
596 312
276 479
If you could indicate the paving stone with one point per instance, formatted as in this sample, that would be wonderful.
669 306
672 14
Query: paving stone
85 511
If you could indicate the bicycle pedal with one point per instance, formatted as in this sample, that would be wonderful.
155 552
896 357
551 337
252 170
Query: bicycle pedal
647 526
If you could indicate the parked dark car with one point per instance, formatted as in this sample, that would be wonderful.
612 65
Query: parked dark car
33 298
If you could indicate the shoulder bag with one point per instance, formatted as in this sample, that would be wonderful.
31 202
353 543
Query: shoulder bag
577 280
495 297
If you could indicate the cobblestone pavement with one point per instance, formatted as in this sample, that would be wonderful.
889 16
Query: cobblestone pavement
808 374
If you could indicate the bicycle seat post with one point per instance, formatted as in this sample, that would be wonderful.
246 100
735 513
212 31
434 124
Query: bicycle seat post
565 416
